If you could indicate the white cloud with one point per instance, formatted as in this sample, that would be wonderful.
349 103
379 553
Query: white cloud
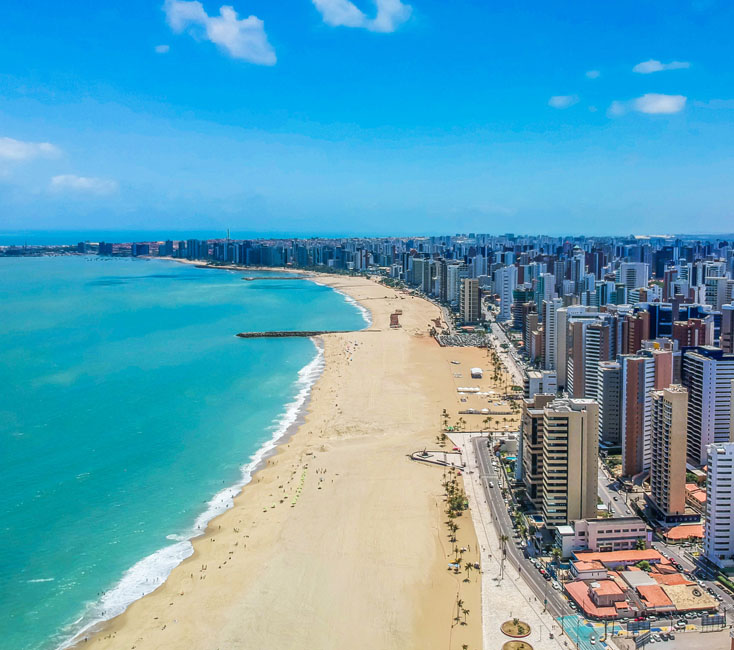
390 14
654 104
651 104
162 49
85 184
617 108
648 67
18 150
563 101
592 74
241 39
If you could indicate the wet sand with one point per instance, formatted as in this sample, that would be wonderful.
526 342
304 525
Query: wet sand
340 540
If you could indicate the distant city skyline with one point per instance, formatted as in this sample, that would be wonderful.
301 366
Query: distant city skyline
338 117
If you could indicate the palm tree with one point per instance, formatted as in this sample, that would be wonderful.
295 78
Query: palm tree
465 612
468 567
459 606
503 543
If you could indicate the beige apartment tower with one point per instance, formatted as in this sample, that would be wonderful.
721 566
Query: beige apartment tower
532 445
668 450
570 460
469 307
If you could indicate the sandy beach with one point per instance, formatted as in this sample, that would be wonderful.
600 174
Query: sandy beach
340 540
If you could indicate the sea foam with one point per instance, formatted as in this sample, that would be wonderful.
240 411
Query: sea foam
149 573
366 314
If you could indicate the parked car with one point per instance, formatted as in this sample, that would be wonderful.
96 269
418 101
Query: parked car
556 585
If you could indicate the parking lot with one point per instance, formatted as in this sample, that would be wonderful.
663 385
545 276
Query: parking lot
718 640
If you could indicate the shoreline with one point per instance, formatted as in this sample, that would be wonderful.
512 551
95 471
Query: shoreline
174 554
302 447
215 507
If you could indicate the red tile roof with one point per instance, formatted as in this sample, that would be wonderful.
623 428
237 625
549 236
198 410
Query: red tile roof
654 596
670 579
579 592
631 556
685 531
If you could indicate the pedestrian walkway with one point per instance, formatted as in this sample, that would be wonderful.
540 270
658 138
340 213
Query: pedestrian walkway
509 597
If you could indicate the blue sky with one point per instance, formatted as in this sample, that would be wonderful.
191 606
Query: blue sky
368 117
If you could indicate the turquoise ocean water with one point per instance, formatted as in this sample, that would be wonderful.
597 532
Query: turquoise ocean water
129 416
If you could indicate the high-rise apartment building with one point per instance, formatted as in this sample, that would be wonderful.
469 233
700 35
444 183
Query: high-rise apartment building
598 346
718 539
668 452
570 460
726 336
641 373
715 291
635 330
609 397
505 283
694 332
469 306
551 333
531 425
633 274
708 373
638 379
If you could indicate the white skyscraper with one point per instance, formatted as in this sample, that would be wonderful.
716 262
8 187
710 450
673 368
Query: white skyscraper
708 374
718 540
633 274
505 284
550 327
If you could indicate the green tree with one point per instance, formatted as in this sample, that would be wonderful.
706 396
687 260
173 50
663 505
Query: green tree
556 554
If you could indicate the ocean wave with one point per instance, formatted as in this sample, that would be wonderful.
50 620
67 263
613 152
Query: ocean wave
40 580
366 314
150 572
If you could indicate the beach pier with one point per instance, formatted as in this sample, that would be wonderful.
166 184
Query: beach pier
303 334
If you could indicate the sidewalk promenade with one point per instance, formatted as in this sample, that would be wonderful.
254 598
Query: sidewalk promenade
510 597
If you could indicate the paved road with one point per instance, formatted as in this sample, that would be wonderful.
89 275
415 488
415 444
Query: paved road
511 363
557 604
618 507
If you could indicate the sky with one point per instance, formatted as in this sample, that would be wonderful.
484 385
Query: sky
368 116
